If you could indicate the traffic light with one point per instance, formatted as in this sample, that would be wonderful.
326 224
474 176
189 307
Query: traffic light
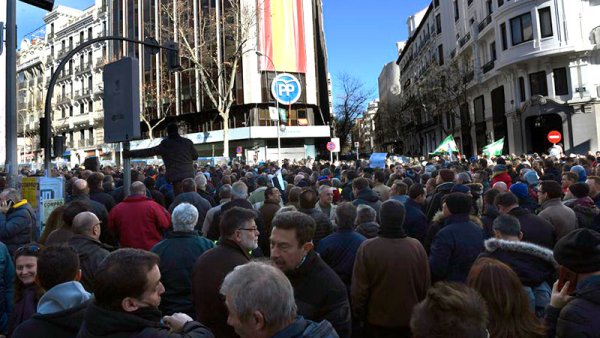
58 143
43 4
173 62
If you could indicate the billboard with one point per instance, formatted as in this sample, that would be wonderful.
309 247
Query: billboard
282 37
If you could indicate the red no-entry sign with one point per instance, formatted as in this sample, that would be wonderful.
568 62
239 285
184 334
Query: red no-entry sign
554 137
330 146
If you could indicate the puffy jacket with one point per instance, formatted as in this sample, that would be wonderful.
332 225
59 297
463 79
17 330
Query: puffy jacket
7 273
415 221
18 226
579 318
368 197
303 328
338 250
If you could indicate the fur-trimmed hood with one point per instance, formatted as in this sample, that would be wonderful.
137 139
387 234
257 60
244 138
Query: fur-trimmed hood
439 218
493 244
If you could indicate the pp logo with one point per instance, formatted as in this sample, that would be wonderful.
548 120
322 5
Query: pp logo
286 89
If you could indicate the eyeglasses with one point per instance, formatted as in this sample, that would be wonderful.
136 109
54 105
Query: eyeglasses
28 249
249 229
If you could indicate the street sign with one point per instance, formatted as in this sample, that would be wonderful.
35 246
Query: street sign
286 88
356 144
330 146
121 101
336 142
238 150
554 137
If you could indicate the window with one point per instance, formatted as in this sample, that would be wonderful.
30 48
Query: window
71 111
479 109
500 3
545 22
456 14
91 107
489 7
493 51
561 87
521 30
503 33
81 112
436 3
521 89
89 33
537 82
441 55
438 24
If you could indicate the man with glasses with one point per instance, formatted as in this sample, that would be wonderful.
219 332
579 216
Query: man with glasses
239 235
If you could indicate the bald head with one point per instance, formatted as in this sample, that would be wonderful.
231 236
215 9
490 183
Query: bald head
500 186
80 187
86 223
138 188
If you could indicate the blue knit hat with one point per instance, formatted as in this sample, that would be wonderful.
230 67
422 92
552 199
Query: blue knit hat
519 189
580 171
532 178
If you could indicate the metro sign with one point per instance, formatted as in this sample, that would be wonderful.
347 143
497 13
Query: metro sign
286 88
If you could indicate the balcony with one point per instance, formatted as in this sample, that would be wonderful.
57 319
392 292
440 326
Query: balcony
80 119
488 66
484 23
468 77
463 41
81 94
101 33
50 36
63 99
100 62
85 143
65 75
86 67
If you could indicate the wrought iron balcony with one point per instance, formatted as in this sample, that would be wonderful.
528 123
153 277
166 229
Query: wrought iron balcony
464 40
484 23
488 66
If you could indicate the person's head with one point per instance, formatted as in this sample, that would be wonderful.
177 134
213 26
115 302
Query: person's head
505 202
272 194
507 227
450 310
345 215
325 195
87 224
108 183
457 203
379 177
430 185
500 186
364 214
580 171
73 209
507 302
262 181
291 239
239 190
172 129
308 198
579 251
95 180
359 184
10 194
549 189
399 188
188 185
128 280
294 196
138 188
445 175
225 192
417 193
391 219
568 178
480 176
594 184
184 217
259 299
463 178
80 187
57 265
26 258
579 190
238 224
200 181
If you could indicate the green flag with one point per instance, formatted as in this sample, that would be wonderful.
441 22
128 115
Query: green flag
448 146
494 148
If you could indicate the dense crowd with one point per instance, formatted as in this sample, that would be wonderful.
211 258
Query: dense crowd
502 247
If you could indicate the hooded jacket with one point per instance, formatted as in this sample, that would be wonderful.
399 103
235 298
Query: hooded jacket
579 318
103 323
368 197
562 218
532 263
17 226
303 328
585 210
91 252
535 228
59 314
368 229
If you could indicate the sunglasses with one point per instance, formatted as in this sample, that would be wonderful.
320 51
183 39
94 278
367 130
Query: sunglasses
28 249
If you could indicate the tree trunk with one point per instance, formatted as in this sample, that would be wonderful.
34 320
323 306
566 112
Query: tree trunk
226 137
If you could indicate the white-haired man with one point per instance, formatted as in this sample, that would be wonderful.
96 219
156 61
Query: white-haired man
178 252
260 301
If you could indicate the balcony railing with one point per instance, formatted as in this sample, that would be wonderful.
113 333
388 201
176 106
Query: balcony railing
82 68
100 62
468 77
50 36
64 52
63 99
464 40
488 66
80 94
85 143
484 23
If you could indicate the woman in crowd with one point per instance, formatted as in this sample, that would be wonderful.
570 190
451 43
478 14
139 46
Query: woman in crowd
27 291
507 302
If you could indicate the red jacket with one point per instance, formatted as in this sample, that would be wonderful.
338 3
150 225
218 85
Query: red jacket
504 177
138 222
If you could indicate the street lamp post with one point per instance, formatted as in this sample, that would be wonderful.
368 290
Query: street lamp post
279 162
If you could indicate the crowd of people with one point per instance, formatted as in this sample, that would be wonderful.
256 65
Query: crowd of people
502 247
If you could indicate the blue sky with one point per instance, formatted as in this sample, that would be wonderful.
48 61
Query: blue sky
361 35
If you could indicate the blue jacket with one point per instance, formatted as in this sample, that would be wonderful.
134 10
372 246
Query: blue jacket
303 328
338 250
178 252
7 271
17 226
415 221
455 248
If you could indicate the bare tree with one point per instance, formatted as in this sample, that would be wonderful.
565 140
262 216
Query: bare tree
156 109
351 103
213 48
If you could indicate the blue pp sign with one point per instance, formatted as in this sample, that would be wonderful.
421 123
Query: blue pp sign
286 89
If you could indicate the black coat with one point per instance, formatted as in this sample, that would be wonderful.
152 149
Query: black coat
208 196
532 263
100 322
487 218
435 204
324 227
103 198
535 229
91 252
100 211
415 221
178 154
320 294
63 324
196 200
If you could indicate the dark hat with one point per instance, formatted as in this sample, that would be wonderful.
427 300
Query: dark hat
391 215
579 189
447 175
519 189
262 181
579 251
499 168
501 160
460 188
579 170
458 203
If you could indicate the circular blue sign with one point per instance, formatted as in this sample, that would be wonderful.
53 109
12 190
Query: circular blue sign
286 88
